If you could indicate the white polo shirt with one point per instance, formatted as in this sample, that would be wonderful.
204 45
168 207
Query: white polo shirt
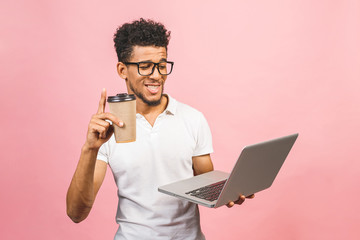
160 155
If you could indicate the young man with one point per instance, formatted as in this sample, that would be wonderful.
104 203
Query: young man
173 143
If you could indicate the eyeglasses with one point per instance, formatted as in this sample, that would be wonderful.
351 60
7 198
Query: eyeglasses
147 68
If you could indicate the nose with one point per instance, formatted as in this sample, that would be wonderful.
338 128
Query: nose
156 74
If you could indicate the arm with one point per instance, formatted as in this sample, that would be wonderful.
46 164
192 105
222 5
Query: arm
202 164
85 185
90 173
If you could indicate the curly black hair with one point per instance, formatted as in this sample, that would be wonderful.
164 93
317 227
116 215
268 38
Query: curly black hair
139 33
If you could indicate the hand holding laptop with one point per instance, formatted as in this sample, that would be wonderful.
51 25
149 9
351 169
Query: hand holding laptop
254 171
240 201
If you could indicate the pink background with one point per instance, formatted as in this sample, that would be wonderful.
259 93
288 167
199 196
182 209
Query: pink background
256 69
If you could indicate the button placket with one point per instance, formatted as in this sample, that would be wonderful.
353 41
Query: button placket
158 121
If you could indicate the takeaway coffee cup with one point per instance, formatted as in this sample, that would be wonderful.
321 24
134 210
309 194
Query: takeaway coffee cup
123 106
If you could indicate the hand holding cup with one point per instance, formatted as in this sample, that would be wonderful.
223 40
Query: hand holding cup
100 130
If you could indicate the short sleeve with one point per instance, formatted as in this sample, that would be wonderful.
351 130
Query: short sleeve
103 153
204 138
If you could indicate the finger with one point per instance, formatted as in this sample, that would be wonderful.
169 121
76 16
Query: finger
251 196
99 129
240 200
100 122
230 204
107 133
112 118
102 101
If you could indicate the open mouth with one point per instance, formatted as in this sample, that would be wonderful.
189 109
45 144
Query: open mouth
153 88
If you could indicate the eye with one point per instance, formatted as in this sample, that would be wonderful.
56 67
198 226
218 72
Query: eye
145 65
162 65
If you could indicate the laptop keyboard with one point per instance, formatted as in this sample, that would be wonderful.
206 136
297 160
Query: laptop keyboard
210 192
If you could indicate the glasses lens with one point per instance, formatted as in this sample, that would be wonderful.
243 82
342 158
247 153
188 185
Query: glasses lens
165 68
145 68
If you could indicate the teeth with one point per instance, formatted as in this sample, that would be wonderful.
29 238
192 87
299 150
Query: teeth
153 87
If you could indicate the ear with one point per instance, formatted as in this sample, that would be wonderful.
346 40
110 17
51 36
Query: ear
122 70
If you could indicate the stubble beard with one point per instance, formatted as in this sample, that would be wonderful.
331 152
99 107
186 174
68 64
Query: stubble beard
141 96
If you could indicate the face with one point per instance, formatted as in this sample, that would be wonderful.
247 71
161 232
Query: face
148 89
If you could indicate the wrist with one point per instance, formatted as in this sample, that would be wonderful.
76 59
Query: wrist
88 149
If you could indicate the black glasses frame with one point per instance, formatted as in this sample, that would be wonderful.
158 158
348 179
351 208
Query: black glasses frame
152 71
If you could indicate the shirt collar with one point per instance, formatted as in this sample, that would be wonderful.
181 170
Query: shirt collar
171 106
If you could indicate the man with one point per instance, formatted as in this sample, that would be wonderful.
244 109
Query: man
173 143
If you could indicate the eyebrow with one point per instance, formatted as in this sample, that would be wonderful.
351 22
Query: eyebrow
149 61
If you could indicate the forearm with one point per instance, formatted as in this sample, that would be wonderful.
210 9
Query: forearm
80 196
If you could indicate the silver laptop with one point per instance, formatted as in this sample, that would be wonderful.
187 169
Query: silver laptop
254 171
